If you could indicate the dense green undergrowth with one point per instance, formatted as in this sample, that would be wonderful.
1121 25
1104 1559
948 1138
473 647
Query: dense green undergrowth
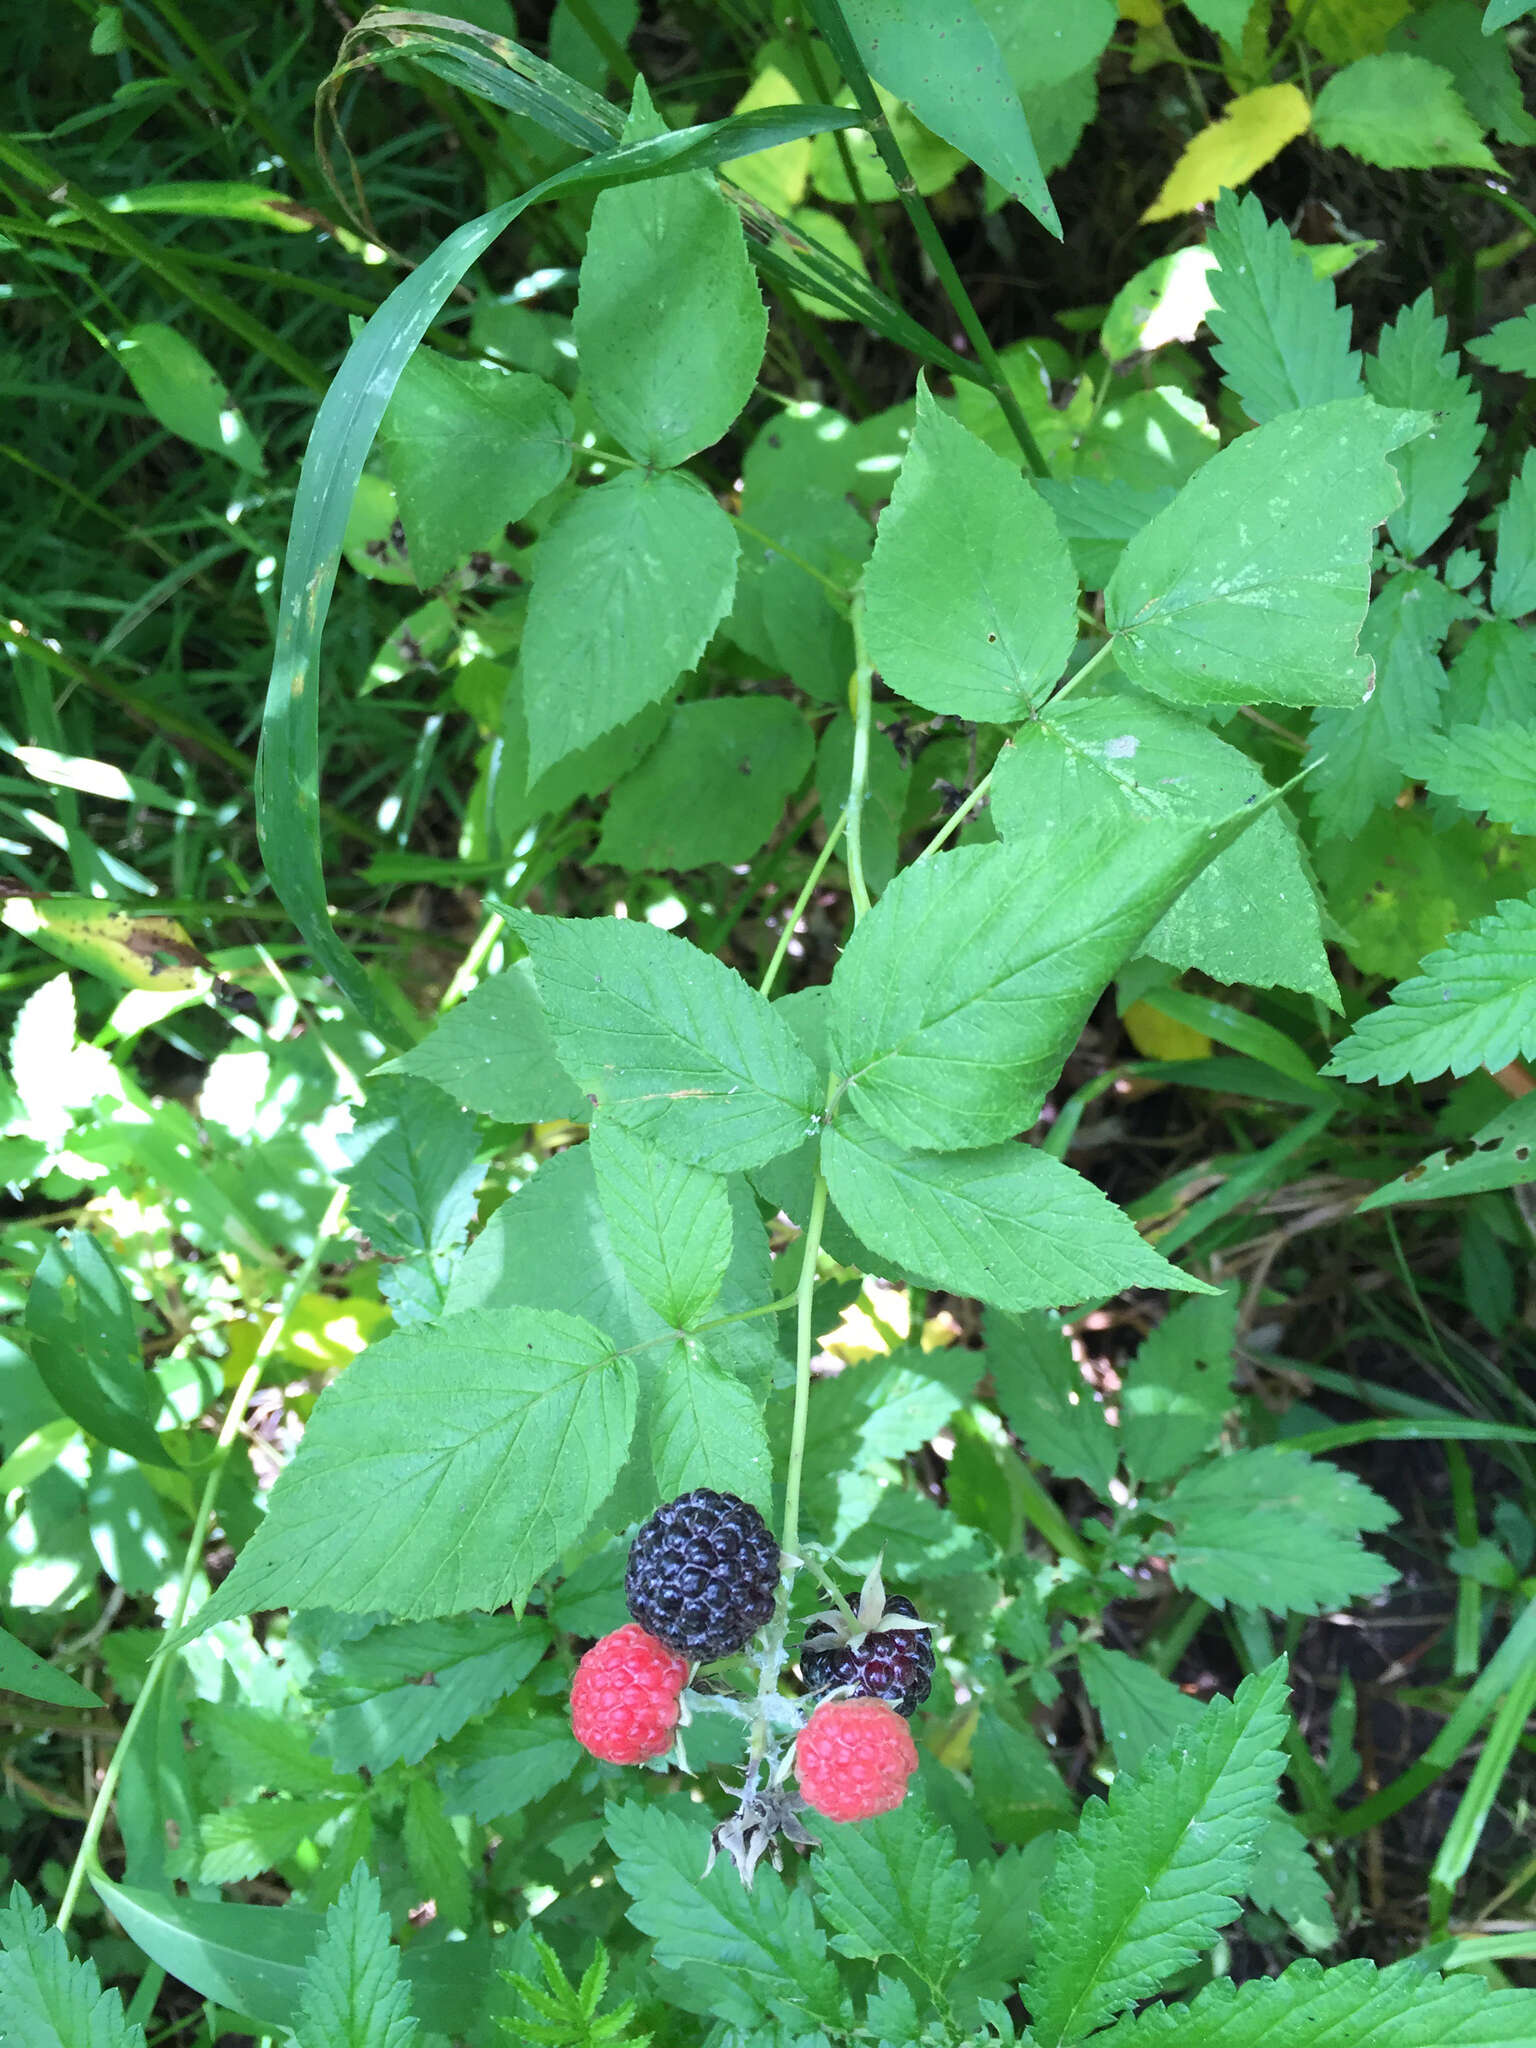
706 789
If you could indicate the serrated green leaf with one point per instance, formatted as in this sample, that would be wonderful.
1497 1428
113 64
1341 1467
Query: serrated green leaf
84 1341
1282 339
970 599
670 1224
1097 516
1275 1529
1137 1707
403 1688
1485 768
960 89
670 324
413 1173
1511 346
433 1853
1481 66
242 1841
1406 2006
1503 1155
447 1468
507 1761
1361 751
895 1887
629 582
1513 592
1279 522
1072 773
1400 113
707 1430
1048 1404
1473 1005
777 1955
712 788
670 1042
470 448
1178 1388
1009 1225
353 1993
49 1998
960 995
495 1053
1412 369
1151 1875
1287 1881
1018 1788
260 1751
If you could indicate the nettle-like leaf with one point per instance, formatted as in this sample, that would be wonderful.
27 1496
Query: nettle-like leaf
670 1223
629 582
1510 346
48 1998
706 1429
470 449
1406 2006
1080 768
1249 133
502 1764
1400 113
242 1841
432 1853
670 1042
380 1708
1138 1708
354 1996
1493 677
1486 768
670 324
1007 1224
1150 1876
1276 526
1048 1404
1473 1005
1513 591
447 1468
1273 1528
970 599
1178 1388
762 1950
1282 340
413 1177
895 1887
1412 369
495 1053
960 995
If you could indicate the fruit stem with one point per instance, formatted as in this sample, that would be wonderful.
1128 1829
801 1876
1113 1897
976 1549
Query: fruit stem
858 780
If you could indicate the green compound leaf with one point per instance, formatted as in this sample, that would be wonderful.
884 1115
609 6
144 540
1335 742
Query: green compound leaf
1150 1876
1278 524
1401 113
970 599
1511 346
447 1468
1273 1528
380 1709
49 1998
629 583
1486 768
1473 1005
706 1429
1093 762
1513 592
895 1887
84 1341
354 1996
670 1224
960 995
495 1053
1361 751
670 1042
711 789
1503 1156
470 449
1009 1225
240 1842
1411 369
1048 1404
1282 339
1406 2006
670 324
957 85
760 1950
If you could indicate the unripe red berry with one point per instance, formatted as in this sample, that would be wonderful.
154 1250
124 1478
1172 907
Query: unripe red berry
624 1697
853 1759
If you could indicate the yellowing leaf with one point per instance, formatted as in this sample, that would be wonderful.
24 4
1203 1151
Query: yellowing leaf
137 952
1145 13
1157 1037
829 234
324 1333
1252 131
775 176
1342 30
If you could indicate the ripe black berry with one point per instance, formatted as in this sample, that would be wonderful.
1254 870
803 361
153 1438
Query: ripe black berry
703 1574
894 1665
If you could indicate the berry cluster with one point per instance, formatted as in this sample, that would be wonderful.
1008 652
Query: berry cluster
882 1663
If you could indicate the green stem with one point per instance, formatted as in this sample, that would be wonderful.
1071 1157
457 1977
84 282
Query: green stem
952 825
805 1301
160 1663
1081 675
858 778
1042 1512
792 921
829 18
597 32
